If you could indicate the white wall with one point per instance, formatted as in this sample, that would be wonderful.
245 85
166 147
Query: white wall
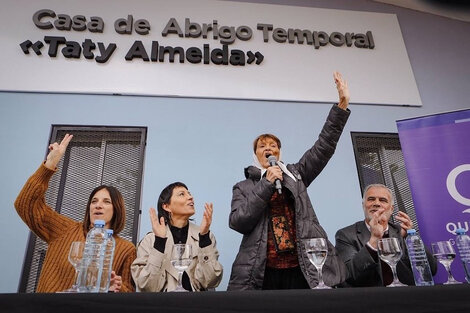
207 143
283 65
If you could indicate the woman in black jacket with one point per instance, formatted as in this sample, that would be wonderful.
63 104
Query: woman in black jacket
273 222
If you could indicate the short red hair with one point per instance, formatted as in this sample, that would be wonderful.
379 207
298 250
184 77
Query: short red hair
263 137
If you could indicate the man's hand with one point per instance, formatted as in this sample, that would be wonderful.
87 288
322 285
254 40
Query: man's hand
405 223
377 224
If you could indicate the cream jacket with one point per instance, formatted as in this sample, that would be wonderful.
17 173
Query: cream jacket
152 270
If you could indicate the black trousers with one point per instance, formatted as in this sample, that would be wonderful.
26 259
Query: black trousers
284 278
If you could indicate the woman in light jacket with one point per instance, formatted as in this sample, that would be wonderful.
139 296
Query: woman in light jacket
152 270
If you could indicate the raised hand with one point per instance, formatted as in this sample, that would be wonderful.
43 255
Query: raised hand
405 223
343 90
206 219
57 151
158 226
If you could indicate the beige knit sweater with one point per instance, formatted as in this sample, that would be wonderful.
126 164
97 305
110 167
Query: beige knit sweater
59 232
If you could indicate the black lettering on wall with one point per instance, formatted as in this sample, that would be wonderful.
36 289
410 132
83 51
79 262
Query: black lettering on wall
39 15
172 27
137 51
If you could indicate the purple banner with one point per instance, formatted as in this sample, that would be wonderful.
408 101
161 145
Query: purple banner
436 149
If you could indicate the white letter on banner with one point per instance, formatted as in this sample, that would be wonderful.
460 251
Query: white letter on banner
452 189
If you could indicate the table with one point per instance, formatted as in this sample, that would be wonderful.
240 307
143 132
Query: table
452 299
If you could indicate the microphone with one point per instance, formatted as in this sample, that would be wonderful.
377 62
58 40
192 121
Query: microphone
273 162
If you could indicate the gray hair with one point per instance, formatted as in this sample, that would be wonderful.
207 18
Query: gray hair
377 186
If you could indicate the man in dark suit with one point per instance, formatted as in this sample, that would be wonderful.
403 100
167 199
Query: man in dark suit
357 243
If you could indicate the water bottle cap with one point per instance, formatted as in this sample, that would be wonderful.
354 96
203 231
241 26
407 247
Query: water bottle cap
109 231
460 231
411 231
99 223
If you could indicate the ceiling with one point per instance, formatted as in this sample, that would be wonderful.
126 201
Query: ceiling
454 9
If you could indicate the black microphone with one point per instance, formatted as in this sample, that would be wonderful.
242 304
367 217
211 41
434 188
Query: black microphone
273 162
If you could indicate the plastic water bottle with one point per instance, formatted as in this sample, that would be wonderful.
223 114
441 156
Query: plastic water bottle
92 261
107 261
463 245
419 261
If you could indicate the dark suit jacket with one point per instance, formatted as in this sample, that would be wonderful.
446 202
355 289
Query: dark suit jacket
363 269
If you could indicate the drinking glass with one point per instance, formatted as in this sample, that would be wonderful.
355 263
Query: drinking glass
445 254
390 252
75 257
181 258
317 251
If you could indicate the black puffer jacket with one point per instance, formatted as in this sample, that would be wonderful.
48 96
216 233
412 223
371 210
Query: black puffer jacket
249 214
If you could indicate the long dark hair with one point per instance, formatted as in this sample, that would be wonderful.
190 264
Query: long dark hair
165 198
119 209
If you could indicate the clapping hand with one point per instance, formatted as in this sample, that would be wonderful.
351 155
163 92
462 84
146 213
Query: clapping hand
57 151
378 224
207 218
158 225
405 223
